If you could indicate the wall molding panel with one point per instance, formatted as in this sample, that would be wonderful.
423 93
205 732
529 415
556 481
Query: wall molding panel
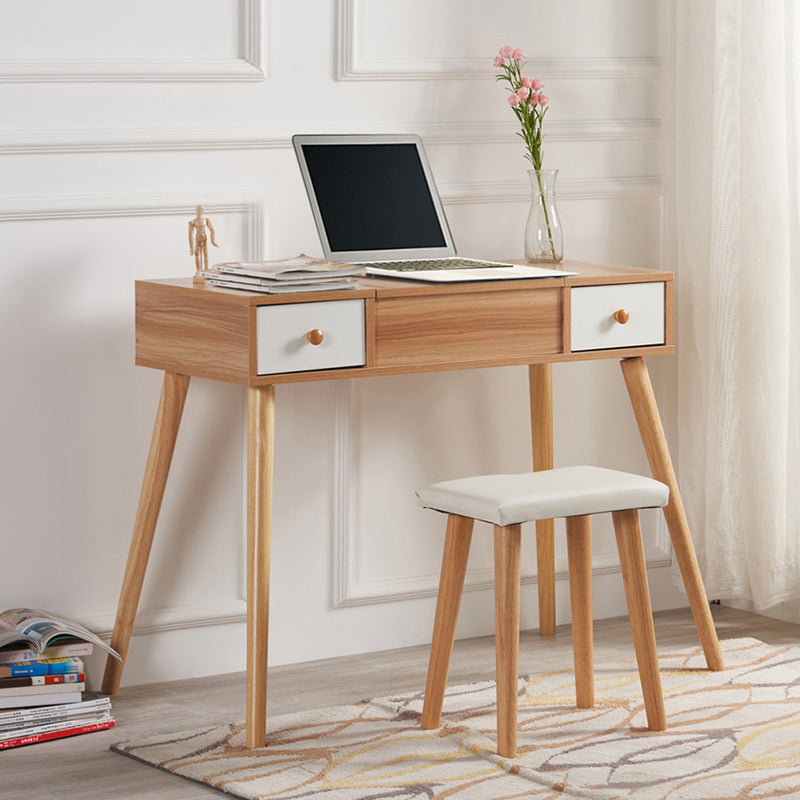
247 65
145 140
54 207
366 592
165 620
224 611
137 140
354 66
349 588
479 192
131 70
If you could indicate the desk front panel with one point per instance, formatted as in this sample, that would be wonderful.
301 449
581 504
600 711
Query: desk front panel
467 327
192 331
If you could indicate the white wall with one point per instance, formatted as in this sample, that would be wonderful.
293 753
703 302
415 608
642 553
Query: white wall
117 120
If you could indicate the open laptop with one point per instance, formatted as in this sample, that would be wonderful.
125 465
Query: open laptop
375 203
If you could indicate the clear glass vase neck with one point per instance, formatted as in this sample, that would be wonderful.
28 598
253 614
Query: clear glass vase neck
543 179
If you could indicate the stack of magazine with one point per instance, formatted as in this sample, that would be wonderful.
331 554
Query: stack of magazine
301 274
42 679
23 726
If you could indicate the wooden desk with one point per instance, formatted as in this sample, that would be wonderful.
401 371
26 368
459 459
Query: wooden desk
392 327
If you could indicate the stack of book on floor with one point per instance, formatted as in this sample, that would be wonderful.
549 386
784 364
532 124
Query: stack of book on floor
42 678
41 681
301 274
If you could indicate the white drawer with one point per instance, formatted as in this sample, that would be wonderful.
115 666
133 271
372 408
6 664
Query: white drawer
285 336
593 324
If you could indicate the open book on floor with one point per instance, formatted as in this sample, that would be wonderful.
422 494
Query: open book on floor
36 630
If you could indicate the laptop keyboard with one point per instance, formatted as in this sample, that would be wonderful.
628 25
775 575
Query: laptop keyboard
432 264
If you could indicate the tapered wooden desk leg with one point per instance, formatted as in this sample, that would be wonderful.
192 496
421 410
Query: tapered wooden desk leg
260 454
651 430
451 587
162 446
507 548
540 379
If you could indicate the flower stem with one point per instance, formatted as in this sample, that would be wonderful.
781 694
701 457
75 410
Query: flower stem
546 215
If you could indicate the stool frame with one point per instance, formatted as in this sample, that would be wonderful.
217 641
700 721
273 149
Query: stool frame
507 566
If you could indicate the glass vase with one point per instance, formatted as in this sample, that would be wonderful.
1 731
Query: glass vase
544 239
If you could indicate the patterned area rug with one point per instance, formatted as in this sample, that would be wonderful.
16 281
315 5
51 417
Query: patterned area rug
731 734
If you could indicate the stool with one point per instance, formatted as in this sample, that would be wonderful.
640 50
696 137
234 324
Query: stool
507 501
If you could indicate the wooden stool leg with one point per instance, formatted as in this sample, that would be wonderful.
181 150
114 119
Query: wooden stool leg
579 555
540 380
507 546
651 430
162 446
637 593
451 585
260 455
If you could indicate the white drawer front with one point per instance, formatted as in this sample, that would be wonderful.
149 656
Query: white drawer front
282 336
592 316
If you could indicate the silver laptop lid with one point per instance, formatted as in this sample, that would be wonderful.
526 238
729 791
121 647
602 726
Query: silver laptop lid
373 197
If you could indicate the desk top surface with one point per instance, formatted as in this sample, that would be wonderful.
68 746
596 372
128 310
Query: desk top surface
588 274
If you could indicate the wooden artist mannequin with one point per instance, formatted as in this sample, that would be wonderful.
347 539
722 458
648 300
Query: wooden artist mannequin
198 241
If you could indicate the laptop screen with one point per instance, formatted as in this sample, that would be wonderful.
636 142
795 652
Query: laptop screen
373 197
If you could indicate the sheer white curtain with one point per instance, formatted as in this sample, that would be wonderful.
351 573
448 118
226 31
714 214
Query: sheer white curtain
739 293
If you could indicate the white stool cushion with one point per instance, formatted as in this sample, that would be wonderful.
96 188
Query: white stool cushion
548 494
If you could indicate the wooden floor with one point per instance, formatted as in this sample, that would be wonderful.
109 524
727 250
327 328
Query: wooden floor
83 767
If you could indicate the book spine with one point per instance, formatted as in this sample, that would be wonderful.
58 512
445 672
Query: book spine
60 666
49 666
42 680
73 695
23 668
54 651
43 737
47 689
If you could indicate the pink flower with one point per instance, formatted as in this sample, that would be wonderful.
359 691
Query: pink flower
526 98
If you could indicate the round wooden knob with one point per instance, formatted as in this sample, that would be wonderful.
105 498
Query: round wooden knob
315 336
621 315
